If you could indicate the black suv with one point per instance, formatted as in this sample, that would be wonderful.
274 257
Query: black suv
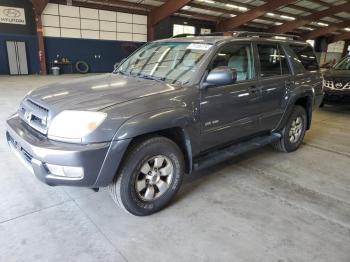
174 106
336 82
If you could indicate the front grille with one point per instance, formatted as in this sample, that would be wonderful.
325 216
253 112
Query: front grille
34 115
336 84
37 106
23 153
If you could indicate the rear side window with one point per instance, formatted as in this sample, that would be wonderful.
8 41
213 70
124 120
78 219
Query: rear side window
306 56
272 62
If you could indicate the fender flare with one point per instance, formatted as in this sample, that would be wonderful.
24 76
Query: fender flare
292 101
160 120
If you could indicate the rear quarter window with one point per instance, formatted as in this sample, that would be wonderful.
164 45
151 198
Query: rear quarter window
305 54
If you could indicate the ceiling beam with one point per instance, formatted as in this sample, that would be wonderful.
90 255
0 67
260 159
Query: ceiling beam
326 30
135 9
341 37
301 21
252 14
165 10
39 6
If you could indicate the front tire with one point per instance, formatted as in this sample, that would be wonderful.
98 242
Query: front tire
294 131
150 176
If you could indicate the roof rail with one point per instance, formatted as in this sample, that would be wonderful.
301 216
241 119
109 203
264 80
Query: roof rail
183 35
264 34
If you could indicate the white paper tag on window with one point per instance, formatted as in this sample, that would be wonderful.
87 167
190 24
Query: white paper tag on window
195 46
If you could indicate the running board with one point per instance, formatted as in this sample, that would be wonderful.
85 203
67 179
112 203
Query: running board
227 153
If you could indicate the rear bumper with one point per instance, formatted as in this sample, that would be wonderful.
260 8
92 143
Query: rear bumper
99 161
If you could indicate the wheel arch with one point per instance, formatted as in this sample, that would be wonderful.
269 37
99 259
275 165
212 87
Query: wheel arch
176 125
306 101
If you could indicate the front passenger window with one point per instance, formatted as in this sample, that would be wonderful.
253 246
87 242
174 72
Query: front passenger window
238 57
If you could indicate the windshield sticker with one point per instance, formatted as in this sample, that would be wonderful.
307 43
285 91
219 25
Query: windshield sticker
195 46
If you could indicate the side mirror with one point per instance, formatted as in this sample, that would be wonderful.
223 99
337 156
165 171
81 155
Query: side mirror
116 65
221 76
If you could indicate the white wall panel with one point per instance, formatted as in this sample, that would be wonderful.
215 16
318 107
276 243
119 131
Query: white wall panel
108 15
139 38
124 28
139 29
108 26
124 36
89 34
75 22
71 33
50 20
124 17
51 31
70 22
108 35
90 24
51 9
71 11
139 19
88 13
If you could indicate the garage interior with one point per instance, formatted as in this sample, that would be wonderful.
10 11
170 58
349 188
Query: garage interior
260 206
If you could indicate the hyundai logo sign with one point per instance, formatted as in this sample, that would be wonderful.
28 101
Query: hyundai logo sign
10 12
12 15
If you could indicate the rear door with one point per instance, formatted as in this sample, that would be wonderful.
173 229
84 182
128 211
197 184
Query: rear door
275 81
231 112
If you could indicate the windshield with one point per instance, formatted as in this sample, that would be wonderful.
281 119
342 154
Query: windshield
343 64
171 62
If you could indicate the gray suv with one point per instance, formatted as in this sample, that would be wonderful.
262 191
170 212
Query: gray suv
172 107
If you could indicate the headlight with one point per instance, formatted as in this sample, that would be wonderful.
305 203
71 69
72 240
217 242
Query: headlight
74 125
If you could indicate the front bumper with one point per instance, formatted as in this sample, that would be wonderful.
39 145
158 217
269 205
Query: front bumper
99 161
337 96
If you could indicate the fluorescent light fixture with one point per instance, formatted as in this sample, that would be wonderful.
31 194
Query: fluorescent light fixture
207 1
271 14
240 8
322 24
231 6
277 23
287 17
347 29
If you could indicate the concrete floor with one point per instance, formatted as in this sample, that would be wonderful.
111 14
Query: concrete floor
263 206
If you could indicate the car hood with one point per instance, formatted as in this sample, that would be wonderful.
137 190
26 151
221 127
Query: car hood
337 74
97 92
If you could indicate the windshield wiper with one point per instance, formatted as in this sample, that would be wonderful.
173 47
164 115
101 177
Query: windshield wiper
158 79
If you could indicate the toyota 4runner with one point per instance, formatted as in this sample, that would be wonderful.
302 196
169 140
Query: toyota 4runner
174 106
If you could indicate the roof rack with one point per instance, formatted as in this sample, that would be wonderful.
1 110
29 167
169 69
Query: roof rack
264 34
245 34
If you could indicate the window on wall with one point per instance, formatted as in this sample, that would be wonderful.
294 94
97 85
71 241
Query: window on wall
205 31
183 29
78 22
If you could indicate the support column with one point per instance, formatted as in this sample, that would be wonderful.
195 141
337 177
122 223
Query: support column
41 44
150 30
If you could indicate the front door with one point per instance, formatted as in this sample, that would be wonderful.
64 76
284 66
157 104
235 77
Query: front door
231 112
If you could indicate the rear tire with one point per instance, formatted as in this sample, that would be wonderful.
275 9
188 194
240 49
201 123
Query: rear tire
294 131
150 176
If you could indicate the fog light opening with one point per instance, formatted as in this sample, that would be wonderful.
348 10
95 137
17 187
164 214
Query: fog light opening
70 172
